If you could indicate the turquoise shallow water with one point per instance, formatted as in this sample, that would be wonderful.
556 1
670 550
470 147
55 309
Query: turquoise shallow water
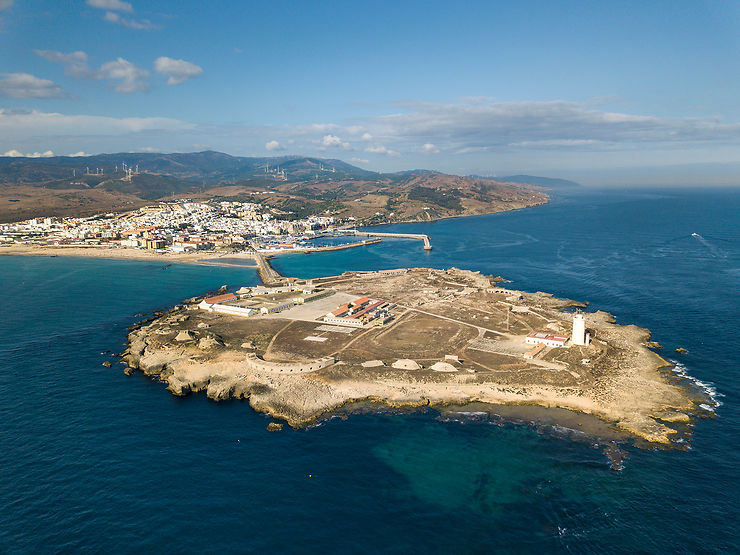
93 460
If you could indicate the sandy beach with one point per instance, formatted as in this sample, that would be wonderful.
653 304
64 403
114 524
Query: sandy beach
126 254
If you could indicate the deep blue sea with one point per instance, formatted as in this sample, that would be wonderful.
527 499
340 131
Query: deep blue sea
92 460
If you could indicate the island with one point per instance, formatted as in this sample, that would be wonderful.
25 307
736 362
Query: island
301 349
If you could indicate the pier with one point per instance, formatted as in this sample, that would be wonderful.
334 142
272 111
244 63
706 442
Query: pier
418 236
308 250
362 243
267 273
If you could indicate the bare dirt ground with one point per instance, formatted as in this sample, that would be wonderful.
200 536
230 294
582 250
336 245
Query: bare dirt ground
18 202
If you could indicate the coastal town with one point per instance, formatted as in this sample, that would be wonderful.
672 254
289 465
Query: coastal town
180 226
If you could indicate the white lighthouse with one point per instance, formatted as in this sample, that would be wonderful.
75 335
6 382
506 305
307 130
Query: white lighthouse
580 337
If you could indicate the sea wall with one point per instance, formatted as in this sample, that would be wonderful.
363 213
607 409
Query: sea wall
253 362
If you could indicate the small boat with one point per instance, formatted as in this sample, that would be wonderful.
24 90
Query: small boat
695 235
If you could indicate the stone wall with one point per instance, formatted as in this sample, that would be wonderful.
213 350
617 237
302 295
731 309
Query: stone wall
253 362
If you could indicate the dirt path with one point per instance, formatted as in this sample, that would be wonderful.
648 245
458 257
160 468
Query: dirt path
274 337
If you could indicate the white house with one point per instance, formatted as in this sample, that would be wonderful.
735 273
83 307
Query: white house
547 339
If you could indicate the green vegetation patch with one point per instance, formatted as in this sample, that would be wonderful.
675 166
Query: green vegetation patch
299 209
446 199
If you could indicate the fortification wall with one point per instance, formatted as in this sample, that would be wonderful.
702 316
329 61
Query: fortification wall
253 362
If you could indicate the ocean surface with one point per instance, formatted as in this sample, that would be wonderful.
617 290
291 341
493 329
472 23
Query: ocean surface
92 460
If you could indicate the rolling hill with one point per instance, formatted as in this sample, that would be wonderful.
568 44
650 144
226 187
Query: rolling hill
298 186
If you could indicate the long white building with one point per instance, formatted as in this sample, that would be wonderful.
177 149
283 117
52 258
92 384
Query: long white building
546 339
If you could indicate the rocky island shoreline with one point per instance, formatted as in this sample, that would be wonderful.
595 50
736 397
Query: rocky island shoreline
410 338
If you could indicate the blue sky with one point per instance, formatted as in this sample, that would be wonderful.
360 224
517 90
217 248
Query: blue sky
596 91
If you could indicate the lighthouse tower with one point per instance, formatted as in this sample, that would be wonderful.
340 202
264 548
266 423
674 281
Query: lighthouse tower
580 337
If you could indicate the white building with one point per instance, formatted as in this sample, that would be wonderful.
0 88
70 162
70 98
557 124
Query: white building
580 337
353 322
546 339
276 308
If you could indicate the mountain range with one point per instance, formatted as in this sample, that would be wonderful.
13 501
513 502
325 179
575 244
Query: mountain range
297 186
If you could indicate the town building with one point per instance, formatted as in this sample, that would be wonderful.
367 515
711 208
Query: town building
220 298
546 339
276 307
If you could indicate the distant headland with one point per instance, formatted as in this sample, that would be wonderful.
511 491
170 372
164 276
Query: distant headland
293 187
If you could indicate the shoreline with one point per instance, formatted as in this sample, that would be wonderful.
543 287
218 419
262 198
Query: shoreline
457 216
209 258
124 254
619 380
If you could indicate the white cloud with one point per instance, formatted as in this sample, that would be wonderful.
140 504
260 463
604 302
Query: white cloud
33 124
273 145
114 5
25 85
380 149
132 78
78 154
487 125
178 71
557 143
483 125
359 160
314 128
144 24
17 154
556 132
330 141
75 63
472 149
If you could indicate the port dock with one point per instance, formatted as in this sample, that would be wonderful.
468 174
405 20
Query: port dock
418 236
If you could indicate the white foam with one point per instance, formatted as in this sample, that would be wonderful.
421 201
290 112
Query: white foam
564 430
712 249
462 417
708 388
323 421
684 443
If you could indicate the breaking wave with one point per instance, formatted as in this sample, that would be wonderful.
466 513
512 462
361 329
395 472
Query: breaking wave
706 388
